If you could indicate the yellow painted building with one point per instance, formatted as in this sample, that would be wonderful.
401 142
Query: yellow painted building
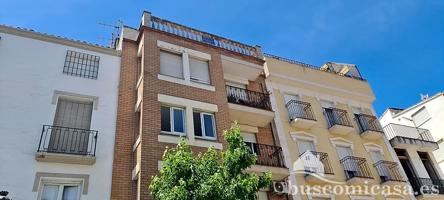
327 113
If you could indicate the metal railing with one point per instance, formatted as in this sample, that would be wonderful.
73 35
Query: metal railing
204 37
57 139
315 165
248 98
426 186
388 171
397 133
309 66
336 116
355 167
268 155
300 109
368 123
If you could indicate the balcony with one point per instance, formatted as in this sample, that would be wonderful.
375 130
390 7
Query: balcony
389 172
317 166
249 107
401 136
269 158
369 127
301 114
67 145
356 170
338 121
424 186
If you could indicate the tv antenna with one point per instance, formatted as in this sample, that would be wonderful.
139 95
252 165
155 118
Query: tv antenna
115 34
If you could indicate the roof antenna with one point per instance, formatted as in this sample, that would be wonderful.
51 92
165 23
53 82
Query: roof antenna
424 96
115 34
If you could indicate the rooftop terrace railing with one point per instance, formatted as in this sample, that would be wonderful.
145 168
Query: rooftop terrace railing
204 37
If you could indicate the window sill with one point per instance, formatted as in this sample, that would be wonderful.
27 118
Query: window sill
187 83
212 139
175 139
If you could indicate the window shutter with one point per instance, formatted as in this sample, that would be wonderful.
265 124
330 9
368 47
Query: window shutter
171 64
289 97
305 145
420 116
73 114
199 71
249 137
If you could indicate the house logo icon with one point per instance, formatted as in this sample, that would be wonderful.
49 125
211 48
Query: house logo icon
309 163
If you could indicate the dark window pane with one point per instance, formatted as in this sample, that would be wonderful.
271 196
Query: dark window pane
197 124
165 119
178 121
209 129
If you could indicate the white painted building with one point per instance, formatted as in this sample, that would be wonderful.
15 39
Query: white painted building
58 105
417 134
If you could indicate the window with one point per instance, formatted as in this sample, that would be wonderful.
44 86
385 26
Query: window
420 117
171 64
81 64
289 97
305 145
251 142
204 125
70 131
60 192
172 120
199 71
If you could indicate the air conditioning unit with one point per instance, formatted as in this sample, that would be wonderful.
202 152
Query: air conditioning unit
280 188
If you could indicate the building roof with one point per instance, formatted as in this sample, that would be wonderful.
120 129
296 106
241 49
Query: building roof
30 33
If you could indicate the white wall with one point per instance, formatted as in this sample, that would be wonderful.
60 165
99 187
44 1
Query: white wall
30 72
435 108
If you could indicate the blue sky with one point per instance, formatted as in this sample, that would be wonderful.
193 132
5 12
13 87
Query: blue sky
397 45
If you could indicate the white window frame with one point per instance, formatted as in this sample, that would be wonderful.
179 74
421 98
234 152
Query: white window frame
61 182
202 126
172 132
186 53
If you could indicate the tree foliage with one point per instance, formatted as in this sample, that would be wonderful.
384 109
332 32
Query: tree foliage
212 175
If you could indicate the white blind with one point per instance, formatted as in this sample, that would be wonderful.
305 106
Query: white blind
199 70
171 64
289 97
305 145
249 137
376 156
344 152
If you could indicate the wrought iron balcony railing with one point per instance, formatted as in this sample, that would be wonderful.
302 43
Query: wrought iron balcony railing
267 155
424 186
248 98
388 171
355 167
300 109
397 133
368 123
65 140
319 165
336 116
204 37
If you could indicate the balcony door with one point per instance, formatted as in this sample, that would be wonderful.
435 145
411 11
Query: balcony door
383 170
237 91
350 165
307 151
70 132
429 167
251 142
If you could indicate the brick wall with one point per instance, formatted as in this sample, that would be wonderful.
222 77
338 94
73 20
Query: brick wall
127 125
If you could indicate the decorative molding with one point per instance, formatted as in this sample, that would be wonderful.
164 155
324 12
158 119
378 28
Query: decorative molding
370 146
76 96
302 135
187 102
187 83
338 141
42 177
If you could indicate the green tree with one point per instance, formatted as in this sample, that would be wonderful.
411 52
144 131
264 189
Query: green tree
212 175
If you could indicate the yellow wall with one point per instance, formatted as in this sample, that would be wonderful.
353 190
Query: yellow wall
276 70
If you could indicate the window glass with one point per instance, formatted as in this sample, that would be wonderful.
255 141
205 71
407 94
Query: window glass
171 64
50 192
199 71
165 119
209 129
197 124
179 121
70 192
